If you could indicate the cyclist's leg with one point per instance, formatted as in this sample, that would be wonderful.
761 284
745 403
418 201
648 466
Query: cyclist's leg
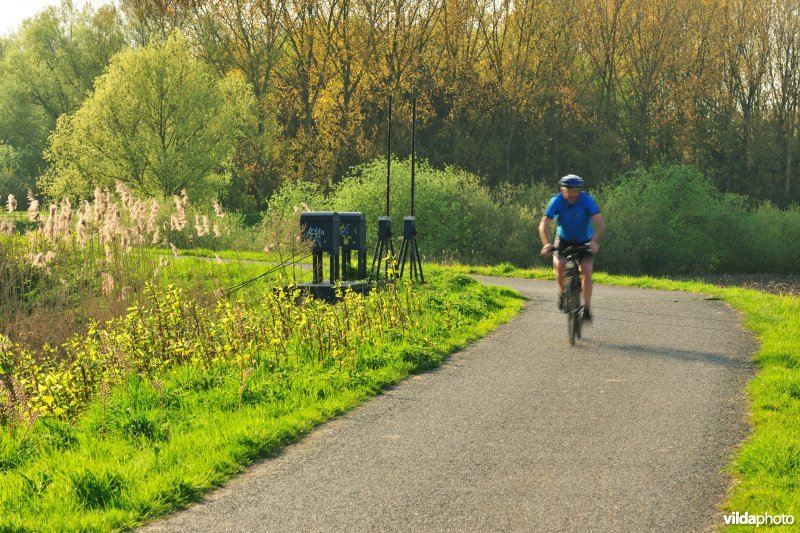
559 266
586 269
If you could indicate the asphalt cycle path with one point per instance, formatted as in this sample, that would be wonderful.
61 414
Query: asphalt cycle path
628 430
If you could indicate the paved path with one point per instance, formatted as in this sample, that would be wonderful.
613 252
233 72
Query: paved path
626 431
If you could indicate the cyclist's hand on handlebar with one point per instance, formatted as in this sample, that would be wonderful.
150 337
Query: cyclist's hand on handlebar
594 247
547 249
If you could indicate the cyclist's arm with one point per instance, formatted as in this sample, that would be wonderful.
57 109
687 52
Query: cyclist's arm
599 227
544 234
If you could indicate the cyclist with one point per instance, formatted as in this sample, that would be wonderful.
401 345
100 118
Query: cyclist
579 222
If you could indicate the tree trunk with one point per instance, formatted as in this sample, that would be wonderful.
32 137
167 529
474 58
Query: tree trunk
789 145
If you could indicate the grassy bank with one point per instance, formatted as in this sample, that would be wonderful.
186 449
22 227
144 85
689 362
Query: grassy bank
173 427
766 468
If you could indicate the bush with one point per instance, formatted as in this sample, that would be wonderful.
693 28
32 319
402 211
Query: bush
766 243
666 219
457 216
298 195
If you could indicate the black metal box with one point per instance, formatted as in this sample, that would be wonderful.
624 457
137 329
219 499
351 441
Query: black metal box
384 228
352 231
322 228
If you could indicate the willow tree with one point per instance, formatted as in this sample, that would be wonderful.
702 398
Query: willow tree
46 70
159 120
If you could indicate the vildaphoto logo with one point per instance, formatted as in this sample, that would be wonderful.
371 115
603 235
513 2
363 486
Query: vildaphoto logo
765 519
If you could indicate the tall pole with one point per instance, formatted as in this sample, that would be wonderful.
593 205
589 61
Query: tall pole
413 130
388 154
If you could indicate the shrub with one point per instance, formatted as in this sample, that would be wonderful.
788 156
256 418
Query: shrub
457 216
766 243
665 219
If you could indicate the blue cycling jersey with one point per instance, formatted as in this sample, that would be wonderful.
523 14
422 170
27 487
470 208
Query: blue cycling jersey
574 220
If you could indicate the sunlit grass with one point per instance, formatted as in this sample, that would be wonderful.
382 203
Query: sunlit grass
158 439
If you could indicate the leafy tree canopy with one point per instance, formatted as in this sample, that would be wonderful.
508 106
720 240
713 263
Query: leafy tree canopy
46 70
158 120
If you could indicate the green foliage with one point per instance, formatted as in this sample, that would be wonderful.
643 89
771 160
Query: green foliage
765 241
659 220
158 121
13 178
47 70
302 195
457 216
671 219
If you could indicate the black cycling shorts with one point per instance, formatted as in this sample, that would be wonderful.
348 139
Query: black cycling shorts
562 245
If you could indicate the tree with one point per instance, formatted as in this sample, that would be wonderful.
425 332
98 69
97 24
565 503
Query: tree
650 70
785 84
12 177
155 19
47 70
159 121
247 36
746 55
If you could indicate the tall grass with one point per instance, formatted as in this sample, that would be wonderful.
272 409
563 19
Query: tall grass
84 263
196 393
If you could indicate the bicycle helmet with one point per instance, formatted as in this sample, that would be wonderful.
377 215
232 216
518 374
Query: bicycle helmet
571 180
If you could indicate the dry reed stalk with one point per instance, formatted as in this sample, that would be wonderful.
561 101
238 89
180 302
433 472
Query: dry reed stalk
63 228
178 220
100 205
201 225
49 230
33 207
108 283
81 230
11 204
151 220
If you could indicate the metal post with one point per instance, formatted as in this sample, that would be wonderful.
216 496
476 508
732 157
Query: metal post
409 250
388 154
413 131
384 245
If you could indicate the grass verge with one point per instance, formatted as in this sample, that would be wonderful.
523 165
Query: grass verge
152 444
766 469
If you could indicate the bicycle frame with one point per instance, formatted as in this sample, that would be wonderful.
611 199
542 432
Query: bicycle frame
573 305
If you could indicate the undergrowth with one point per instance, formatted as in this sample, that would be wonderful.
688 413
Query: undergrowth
183 412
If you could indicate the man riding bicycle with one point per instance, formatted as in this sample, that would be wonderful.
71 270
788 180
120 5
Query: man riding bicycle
579 222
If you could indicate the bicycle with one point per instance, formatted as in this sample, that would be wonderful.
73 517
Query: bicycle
573 293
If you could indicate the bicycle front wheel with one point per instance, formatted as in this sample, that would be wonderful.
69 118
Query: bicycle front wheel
574 326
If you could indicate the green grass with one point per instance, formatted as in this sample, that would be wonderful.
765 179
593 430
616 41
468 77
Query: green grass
153 445
201 272
271 257
766 469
